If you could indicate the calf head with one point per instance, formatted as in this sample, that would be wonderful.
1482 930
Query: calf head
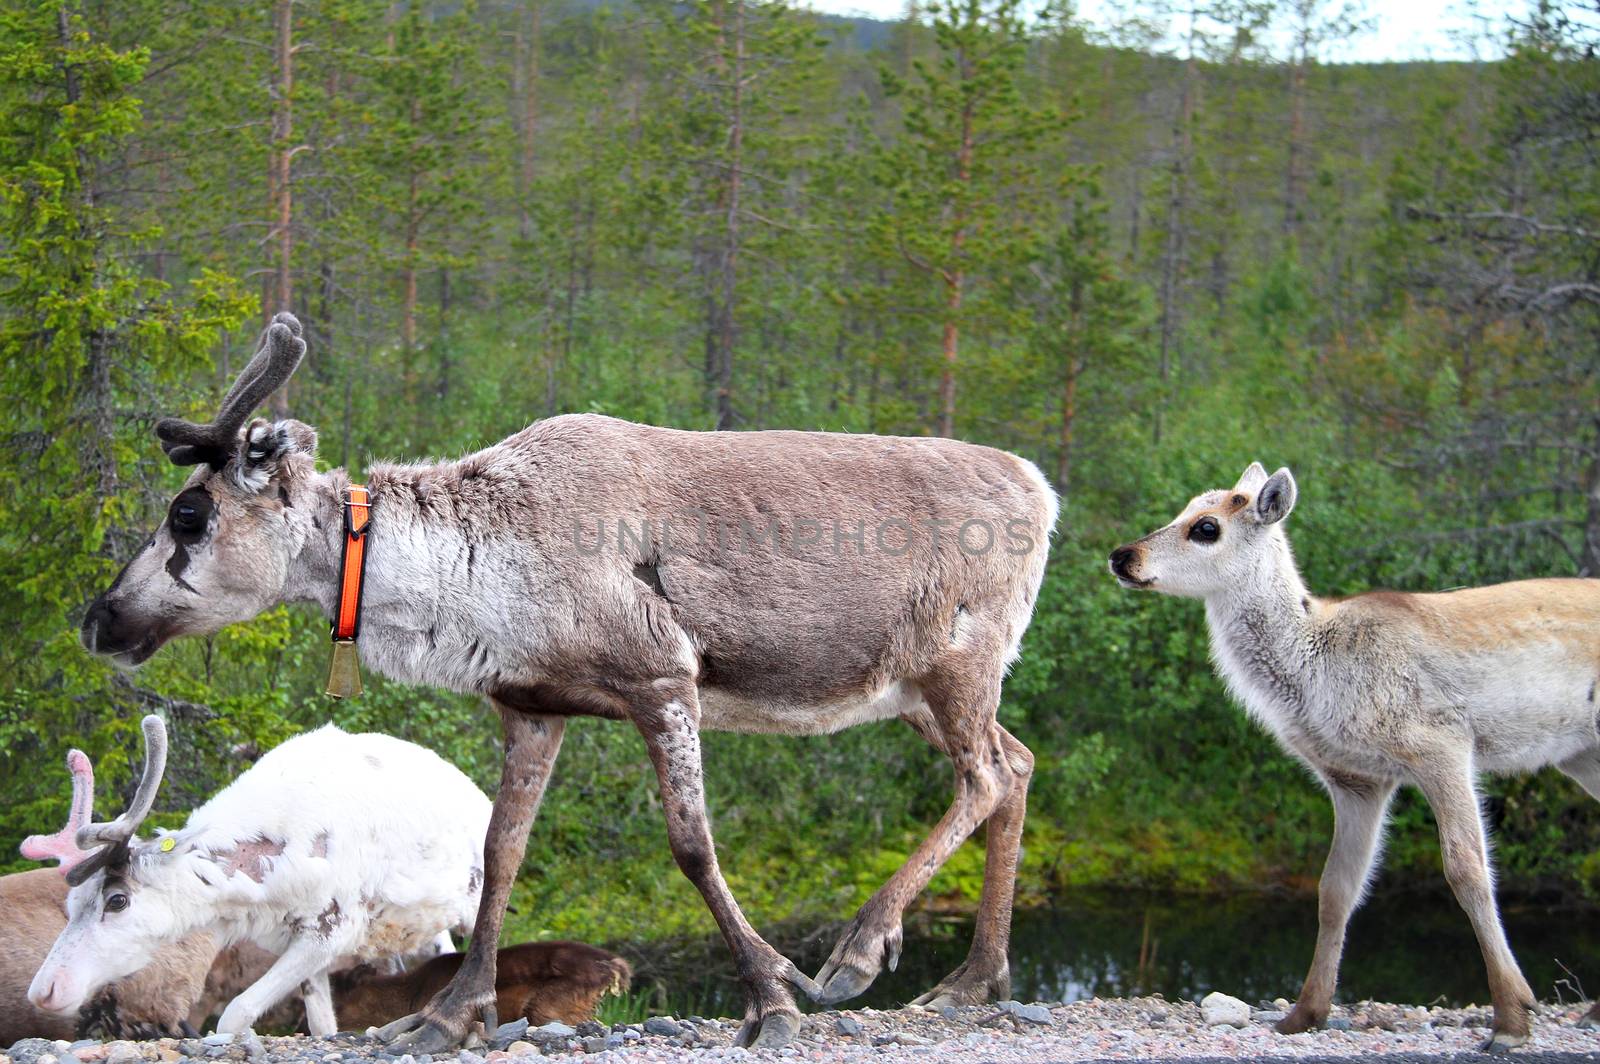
223 554
1216 544
116 920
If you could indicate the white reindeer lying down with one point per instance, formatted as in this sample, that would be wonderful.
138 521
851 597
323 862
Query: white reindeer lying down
331 845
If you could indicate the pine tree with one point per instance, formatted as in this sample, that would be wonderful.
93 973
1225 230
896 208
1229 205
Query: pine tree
84 336
964 188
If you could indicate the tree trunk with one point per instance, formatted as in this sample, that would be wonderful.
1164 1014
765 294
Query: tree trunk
99 459
731 225
443 346
1293 177
954 275
1172 253
1590 562
279 182
408 283
526 78
1069 389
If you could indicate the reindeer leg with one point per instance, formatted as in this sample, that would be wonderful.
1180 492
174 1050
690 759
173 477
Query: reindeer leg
669 721
1585 771
307 955
1358 808
1448 784
532 744
986 973
318 997
961 703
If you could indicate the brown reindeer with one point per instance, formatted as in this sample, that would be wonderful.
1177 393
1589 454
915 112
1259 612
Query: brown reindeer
538 981
790 582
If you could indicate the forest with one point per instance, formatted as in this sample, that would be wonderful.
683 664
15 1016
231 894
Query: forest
1142 256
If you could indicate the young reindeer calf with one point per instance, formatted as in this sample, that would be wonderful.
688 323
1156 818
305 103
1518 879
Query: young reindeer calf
539 981
1388 688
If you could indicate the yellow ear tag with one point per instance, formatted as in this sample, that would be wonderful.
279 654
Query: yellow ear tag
168 844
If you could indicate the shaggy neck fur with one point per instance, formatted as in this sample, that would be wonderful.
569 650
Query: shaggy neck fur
1262 636
417 616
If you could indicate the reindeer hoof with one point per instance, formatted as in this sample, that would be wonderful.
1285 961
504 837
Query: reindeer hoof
800 980
772 1031
861 953
430 1037
1504 1042
394 1029
1299 1022
973 983
841 985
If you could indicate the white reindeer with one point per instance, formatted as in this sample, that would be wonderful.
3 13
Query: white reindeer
150 1003
332 845
1388 688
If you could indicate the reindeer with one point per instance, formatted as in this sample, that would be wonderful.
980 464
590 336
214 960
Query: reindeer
332 845
536 981
151 1002
789 582
1387 688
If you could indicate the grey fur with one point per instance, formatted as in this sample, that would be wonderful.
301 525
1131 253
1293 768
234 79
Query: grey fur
484 575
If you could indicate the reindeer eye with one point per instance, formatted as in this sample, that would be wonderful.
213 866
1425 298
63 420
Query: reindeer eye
1205 530
190 512
186 518
115 903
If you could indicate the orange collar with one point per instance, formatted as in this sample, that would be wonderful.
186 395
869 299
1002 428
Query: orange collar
352 565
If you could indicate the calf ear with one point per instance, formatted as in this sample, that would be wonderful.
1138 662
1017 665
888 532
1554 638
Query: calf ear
267 444
1250 481
1276 497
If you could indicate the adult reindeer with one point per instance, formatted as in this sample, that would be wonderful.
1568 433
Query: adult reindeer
789 582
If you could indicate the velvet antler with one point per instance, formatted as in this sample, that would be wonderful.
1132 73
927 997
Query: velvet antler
281 350
63 845
112 839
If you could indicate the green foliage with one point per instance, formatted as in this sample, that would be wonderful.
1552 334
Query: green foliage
509 210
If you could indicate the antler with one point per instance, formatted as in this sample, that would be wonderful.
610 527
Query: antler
281 350
112 839
63 846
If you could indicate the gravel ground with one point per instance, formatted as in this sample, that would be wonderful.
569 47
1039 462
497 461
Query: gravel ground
1121 1029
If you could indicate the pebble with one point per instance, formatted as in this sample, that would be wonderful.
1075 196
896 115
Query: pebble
1147 1028
251 1043
507 1033
218 1040
1223 1010
1037 1014
661 1025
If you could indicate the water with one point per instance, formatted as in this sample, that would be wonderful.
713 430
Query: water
1411 948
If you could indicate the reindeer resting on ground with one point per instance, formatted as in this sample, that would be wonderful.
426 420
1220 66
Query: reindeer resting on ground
332 845
1383 689
538 981
902 589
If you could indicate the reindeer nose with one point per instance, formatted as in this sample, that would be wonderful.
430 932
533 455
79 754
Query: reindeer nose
1121 558
97 623
45 997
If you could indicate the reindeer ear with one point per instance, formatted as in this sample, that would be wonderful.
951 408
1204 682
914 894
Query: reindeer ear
1250 481
1276 497
267 444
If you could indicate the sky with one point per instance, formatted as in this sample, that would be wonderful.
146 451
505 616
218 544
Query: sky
1401 29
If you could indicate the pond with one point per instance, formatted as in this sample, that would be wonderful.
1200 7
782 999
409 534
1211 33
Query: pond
1403 947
